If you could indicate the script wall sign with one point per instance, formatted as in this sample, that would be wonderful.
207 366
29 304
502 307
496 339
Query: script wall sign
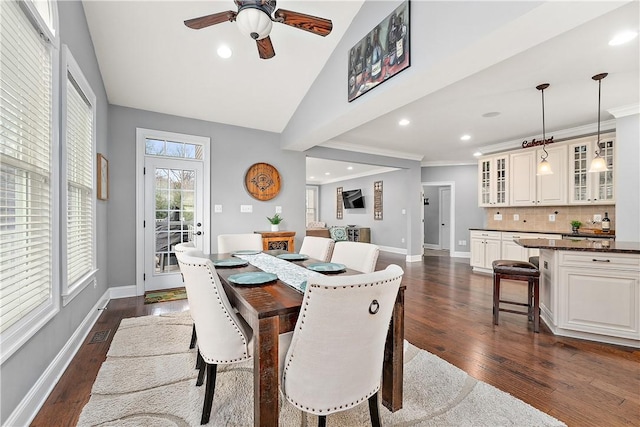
262 181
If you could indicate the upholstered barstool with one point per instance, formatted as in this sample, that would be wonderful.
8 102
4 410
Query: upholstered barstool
517 270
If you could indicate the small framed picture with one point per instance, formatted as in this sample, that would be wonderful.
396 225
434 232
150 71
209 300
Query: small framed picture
103 177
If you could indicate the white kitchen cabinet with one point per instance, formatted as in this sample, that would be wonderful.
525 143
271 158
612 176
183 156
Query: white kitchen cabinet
529 189
591 187
522 178
493 186
551 190
599 294
485 248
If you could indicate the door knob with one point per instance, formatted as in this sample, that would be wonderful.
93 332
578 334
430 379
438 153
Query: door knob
198 233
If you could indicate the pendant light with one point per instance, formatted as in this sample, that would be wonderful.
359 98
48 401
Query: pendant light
599 164
544 167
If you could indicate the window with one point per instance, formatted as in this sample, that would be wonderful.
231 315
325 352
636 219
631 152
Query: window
78 160
28 191
311 203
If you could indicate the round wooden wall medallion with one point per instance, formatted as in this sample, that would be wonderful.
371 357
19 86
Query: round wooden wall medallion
262 181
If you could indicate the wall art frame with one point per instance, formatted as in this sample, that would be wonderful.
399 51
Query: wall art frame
381 54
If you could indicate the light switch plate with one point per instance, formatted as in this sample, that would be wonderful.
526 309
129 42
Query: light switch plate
278 209
597 218
246 208
516 217
497 217
217 208
552 218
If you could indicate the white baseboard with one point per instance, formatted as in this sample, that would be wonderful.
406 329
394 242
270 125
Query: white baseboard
414 258
116 292
28 408
461 254
393 250
431 246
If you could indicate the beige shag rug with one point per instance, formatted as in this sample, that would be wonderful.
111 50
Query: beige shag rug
149 377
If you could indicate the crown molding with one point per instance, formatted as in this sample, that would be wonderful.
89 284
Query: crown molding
626 110
369 150
437 163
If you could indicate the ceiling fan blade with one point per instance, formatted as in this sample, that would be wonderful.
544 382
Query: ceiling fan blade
265 48
313 24
208 20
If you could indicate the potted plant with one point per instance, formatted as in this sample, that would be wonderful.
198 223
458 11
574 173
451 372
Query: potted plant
575 224
275 221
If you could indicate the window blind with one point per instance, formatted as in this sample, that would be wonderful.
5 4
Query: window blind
80 158
26 117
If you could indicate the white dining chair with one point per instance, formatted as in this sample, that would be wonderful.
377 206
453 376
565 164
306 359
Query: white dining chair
180 248
319 248
223 336
335 357
228 243
356 255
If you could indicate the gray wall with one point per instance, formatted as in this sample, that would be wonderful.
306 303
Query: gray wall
410 192
432 215
628 178
467 212
386 232
20 372
233 150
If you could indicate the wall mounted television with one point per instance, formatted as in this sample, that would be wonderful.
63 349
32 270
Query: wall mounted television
353 199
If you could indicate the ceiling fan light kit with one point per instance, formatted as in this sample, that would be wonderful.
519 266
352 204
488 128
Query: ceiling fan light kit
255 18
254 22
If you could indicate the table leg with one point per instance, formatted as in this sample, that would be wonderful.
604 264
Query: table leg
265 366
392 370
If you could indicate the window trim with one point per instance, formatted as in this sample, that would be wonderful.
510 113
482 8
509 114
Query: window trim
71 67
22 331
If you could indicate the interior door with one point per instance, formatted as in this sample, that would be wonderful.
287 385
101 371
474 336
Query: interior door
174 213
445 218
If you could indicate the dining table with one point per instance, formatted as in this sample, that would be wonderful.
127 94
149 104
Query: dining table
272 309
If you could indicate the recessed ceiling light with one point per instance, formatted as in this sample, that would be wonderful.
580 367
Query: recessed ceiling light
623 37
477 154
404 122
224 51
327 173
465 137
311 177
491 114
350 168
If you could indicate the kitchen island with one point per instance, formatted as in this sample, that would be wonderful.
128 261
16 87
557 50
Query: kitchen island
590 289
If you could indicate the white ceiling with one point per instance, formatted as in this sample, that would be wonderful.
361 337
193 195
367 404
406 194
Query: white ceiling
150 60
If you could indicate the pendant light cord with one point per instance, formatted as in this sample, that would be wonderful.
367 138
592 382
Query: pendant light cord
599 78
541 88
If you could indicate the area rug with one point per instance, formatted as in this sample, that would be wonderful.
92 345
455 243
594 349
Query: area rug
165 295
148 379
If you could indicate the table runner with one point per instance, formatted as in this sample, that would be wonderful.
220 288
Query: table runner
288 272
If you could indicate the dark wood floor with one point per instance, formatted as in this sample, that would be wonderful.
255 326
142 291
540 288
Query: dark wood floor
448 312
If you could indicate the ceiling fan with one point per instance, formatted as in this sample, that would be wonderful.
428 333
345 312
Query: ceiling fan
255 17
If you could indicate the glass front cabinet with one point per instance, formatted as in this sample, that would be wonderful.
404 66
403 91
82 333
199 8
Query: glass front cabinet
492 178
591 187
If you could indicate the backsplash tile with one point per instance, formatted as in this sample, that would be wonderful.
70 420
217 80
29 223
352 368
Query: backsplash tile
537 218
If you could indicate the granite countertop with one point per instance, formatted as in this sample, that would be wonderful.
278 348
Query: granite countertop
597 234
581 245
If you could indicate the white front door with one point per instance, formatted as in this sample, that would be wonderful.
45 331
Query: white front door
175 204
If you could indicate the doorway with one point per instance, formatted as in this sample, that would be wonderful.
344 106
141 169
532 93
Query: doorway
438 218
172 204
